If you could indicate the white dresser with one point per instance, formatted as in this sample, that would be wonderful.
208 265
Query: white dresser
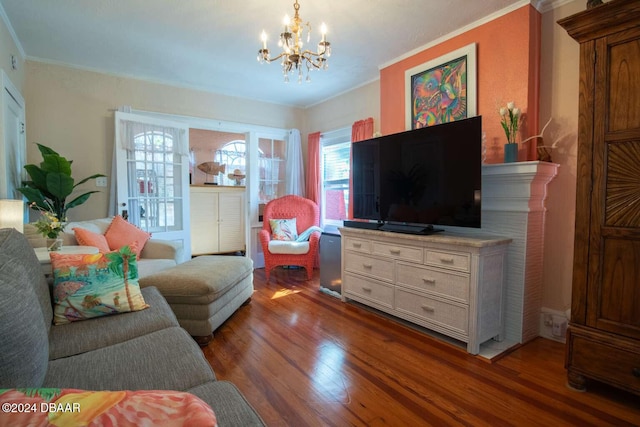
217 219
450 283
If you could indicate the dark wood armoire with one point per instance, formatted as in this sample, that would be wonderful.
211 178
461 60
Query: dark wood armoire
603 339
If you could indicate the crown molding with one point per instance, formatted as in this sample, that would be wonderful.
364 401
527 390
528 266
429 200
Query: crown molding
14 37
544 6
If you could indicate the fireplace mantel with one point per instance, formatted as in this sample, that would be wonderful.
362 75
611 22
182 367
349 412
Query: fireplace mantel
513 205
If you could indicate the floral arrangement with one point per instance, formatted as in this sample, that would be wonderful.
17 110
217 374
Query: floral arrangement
510 120
49 225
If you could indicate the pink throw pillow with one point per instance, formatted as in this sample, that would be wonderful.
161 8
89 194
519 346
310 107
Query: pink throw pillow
89 238
121 233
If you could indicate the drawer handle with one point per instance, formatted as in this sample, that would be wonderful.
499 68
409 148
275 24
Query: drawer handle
447 260
366 289
367 265
636 372
395 251
428 308
429 280
357 245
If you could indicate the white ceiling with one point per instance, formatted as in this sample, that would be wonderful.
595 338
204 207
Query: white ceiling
212 44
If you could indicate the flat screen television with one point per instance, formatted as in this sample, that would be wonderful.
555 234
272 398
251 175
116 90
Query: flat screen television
412 181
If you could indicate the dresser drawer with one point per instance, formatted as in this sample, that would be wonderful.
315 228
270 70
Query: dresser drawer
447 284
378 268
453 260
368 289
449 315
357 245
408 253
605 362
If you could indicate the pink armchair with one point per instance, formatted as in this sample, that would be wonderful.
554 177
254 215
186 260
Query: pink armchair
307 214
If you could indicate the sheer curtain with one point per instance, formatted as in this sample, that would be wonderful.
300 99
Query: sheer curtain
313 171
294 166
360 131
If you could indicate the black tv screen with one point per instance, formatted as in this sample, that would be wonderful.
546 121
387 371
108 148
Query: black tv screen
428 176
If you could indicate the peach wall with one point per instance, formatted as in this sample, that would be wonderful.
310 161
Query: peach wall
508 58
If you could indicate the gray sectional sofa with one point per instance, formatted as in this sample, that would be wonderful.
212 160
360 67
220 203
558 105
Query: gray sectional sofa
143 350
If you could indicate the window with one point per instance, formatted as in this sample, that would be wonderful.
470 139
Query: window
335 157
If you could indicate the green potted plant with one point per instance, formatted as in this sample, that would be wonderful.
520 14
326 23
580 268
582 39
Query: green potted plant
48 188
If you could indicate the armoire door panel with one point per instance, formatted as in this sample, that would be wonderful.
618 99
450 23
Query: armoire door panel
624 83
622 202
619 292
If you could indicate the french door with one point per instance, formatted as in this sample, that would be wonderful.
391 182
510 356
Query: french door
152 168
13 149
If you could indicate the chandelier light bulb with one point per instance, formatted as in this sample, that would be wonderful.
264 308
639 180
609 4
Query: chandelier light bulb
263 37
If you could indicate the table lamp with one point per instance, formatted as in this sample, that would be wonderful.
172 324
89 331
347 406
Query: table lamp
12 214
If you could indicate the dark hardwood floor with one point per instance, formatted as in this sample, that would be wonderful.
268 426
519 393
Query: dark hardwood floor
304 358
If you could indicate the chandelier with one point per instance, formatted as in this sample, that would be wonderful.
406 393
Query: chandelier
293 57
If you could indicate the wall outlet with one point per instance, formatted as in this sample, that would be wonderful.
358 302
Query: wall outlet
553 324
101 181
559 326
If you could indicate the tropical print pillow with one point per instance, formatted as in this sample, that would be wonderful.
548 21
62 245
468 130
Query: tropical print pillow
87 286
283 229
70 407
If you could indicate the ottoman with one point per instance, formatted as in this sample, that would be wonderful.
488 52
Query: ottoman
205 291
